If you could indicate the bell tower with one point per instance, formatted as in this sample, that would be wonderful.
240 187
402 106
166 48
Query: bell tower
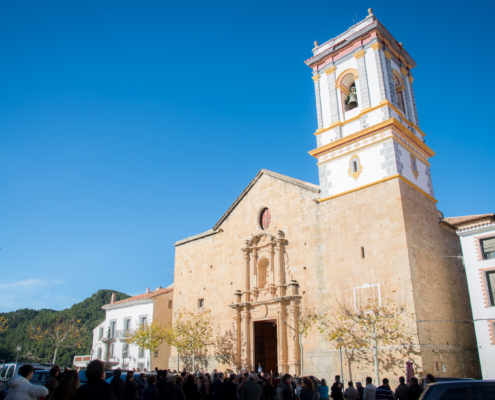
368 128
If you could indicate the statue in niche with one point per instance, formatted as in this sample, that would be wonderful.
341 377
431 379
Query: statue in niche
351 101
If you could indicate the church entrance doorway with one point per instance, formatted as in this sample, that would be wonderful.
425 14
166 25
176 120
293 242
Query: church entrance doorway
265 345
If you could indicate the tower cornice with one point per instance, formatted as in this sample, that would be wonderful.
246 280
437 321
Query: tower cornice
389 123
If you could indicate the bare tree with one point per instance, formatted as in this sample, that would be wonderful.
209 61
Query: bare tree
369 322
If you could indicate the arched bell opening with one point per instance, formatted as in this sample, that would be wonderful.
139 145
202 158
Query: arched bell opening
346 84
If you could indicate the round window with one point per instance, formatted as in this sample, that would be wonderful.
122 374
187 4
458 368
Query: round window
265 218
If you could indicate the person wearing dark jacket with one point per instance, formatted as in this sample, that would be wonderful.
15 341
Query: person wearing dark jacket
190 389
151 392
96 388
414 391
336 390
218 387
284 389
52 383
400 391
172 391
162 381
117 384
229 388
251 390
141 382
307 390
131 387
384 392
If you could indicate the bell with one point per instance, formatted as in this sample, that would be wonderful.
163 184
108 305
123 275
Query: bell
352 101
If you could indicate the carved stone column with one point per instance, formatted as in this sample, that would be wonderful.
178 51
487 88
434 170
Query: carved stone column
281 262
239 337
282 359
297 345
247 277
246 318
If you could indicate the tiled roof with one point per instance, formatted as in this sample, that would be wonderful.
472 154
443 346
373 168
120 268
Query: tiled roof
141 296
467 219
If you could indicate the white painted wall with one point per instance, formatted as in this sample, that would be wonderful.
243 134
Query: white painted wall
325 100
134 311
480 312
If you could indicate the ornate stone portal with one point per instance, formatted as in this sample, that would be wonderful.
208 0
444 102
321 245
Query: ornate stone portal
268 298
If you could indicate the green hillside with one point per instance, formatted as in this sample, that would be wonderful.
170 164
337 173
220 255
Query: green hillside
88 311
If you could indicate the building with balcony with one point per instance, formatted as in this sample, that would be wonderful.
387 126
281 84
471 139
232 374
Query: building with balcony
111 337
477 233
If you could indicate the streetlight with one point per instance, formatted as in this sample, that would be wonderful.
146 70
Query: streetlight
340 341
18 350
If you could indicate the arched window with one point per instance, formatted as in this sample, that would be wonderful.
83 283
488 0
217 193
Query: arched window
262 272
98 354
399 90
346 84
265 218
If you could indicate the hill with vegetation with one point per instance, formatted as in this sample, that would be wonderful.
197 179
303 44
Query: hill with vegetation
88 312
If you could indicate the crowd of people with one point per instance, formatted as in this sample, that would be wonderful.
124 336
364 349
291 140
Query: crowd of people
167 385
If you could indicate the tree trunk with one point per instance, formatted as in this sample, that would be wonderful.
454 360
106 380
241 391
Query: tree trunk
55 355
375 359
193 362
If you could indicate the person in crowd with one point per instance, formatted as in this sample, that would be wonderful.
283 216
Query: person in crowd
276 380
430 378
172 391
52 382
230 388
323 390
284 390
190 389
162 381
131 387
384 392
360 389
117 384
268 390
293 385
260 368
179 381
218 387
201 386
251 390
414 391
370 390
96 388
208 388
351 393
336 390
307 390
67 386
151 392
298 389
22 389
141 383
400 391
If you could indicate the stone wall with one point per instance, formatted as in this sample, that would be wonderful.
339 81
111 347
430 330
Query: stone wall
390 220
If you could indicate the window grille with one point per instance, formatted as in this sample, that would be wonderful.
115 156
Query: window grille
490 283
488 246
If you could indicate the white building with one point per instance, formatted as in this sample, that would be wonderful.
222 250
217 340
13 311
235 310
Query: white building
477 233
110 338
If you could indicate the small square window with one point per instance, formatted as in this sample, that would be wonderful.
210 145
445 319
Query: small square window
488 248
170 304
201 303
490 283
155 354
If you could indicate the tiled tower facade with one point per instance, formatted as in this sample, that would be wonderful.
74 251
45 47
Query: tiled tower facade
379 138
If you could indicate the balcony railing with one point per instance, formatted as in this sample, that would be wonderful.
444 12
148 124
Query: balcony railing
488 255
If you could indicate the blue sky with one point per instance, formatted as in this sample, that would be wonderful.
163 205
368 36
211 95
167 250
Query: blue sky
126 126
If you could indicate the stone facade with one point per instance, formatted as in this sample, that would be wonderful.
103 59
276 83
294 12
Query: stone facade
403 240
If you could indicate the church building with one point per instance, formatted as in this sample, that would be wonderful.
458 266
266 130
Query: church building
370 226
